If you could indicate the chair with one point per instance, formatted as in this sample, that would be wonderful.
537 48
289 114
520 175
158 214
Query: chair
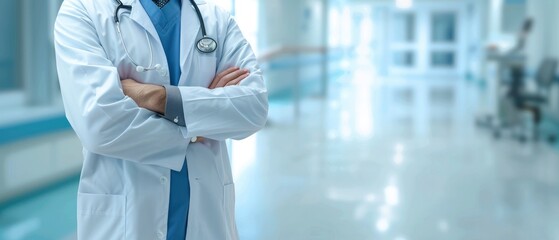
532 102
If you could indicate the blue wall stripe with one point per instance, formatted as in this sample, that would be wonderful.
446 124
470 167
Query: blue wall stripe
35 128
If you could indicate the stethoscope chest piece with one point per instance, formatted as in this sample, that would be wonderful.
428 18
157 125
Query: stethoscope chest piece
206 45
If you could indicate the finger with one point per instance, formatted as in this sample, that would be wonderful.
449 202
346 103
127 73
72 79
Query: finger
238 80
227 71
221 75
230 77
213 83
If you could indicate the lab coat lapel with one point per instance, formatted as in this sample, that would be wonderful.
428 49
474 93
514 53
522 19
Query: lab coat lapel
190 27
140 16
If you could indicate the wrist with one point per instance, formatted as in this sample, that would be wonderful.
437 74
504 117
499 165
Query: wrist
155 98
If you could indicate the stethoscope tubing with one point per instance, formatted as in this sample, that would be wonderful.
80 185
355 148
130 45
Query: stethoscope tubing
200 18
204 48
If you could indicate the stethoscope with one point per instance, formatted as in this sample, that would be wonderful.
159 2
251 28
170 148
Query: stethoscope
204 45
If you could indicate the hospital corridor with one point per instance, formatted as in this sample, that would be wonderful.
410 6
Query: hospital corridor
386 120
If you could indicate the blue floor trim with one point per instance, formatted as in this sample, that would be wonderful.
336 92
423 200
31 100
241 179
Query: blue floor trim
40 191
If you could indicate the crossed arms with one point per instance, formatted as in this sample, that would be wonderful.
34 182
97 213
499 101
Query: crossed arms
110 124
154 97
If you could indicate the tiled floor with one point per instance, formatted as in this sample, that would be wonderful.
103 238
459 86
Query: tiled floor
393 159
378 159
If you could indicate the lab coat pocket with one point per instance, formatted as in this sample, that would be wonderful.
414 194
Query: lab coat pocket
229 207
101 216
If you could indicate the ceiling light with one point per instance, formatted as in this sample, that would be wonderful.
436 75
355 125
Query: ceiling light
404 4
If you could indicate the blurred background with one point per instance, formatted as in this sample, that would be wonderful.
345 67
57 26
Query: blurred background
389 119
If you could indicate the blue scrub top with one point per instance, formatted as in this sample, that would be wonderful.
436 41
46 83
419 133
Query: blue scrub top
167 23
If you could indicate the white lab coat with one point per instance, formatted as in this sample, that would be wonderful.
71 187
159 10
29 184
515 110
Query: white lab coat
124 185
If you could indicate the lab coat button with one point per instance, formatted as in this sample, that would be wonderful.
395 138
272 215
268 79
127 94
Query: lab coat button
160 235
194 139
163 180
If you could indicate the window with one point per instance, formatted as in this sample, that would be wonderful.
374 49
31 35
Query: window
404 58
513 15
443 59
246 14
335 27
9 44
28 76
443 27
404 28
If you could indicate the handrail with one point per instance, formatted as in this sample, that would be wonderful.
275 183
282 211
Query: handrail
278 52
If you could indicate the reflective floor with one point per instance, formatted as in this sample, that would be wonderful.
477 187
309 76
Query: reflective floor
377 159
393 159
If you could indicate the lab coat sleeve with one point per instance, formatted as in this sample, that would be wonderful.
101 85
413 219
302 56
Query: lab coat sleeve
173 106
105 120
230 112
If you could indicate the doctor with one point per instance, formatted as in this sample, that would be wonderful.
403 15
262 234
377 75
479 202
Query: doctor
153 88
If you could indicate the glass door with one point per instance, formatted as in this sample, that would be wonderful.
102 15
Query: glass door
403 42
426 40
443 44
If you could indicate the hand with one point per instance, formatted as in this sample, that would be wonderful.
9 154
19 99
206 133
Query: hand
148 96
231 76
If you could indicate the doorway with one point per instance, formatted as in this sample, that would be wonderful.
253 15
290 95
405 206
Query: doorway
426 40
